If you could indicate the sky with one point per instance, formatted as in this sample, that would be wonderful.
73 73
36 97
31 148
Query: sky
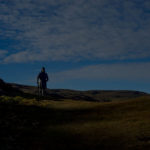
83 44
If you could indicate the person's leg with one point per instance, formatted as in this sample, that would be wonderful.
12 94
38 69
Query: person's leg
44 88
42 92
40 88
39 91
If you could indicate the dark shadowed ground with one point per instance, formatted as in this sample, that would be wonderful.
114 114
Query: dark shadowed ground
67 124
71 120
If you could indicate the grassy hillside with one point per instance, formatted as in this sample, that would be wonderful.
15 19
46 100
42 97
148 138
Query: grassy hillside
71 125
11 89
91 95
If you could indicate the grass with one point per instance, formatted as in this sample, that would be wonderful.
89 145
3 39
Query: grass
70 125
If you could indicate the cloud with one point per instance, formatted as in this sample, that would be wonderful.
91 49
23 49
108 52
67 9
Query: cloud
63 30
3 53
124 72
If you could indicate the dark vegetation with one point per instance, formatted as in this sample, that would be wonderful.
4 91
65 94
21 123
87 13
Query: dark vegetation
7 89
26 124
71 124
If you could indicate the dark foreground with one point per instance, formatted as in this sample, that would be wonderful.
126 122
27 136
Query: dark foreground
26 124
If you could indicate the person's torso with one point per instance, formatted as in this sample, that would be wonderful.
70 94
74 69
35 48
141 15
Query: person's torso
43 76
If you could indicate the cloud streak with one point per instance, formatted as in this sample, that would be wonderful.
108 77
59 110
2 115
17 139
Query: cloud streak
63 30
124 72
3 53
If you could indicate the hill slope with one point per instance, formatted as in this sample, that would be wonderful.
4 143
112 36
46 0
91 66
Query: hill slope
7 89
12 89
91 95
71 125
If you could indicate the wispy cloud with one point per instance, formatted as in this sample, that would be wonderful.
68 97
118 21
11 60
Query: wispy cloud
3 53
75 30
124 72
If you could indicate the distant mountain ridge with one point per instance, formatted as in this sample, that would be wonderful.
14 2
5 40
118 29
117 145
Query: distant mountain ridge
90 95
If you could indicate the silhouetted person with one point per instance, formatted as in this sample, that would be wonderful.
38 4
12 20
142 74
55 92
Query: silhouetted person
42 79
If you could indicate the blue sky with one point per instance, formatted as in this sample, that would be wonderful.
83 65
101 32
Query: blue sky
84 44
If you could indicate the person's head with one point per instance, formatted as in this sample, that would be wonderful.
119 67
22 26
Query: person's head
43 69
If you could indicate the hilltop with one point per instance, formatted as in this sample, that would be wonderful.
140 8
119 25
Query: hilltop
90 95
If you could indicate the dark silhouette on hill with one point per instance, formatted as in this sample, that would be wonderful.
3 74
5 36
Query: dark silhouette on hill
42 79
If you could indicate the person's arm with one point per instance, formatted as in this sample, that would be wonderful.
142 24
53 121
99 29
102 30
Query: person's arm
38 78
47 77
